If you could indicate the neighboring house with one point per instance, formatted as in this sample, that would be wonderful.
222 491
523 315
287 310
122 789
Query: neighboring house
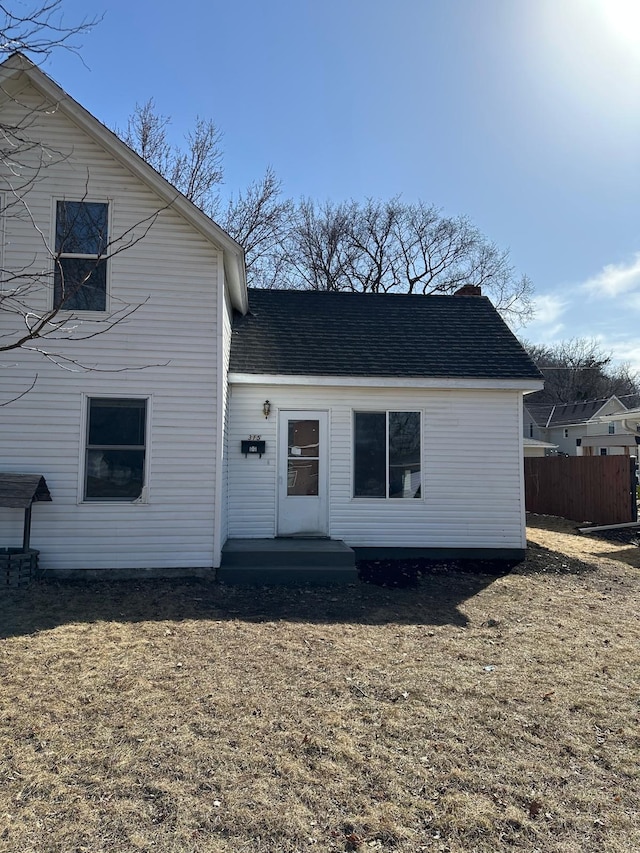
534 447
586 428
347 416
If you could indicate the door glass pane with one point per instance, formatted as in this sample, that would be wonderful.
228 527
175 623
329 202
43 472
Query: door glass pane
302 477
404 454
370 455
304 438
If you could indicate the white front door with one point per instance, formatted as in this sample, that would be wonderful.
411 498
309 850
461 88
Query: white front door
302 474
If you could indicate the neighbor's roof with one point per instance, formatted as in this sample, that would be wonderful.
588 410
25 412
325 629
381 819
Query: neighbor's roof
385 335
567 414
534 442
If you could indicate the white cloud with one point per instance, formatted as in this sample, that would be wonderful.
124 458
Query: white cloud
627 352
624 347
547 326
548 309
615 279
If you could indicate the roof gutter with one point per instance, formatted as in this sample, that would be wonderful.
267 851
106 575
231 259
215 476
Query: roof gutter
349 381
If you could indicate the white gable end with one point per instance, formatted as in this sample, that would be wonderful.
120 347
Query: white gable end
167 352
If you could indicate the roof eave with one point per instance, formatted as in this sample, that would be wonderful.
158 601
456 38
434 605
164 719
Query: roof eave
426 382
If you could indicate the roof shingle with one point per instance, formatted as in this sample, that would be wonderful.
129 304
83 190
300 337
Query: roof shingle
566 414
323 333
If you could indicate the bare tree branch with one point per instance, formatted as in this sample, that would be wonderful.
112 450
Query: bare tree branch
39 28
375 246
196 171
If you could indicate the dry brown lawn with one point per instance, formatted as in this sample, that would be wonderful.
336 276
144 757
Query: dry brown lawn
476 712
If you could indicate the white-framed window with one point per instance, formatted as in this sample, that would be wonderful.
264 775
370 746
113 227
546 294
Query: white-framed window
115 450
530 429
81 240
612 427
387 454
566 433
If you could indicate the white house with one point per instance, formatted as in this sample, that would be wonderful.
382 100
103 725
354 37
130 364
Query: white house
584 428
167 437
534 447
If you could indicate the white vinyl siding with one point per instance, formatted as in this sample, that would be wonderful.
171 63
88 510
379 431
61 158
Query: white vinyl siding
165 351
471 466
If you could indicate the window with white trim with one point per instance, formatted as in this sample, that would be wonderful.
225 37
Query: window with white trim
612 427
387 455
80 275
566 433
115 449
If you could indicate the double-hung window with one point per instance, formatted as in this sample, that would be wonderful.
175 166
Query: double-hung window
387 455
116 449
80 276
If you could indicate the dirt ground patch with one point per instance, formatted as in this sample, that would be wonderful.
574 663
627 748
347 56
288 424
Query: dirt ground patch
478 711
560 535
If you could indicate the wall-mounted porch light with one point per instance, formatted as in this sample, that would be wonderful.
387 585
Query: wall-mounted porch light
266 409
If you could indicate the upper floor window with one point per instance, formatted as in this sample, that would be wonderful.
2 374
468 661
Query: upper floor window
566 433
387 455
612 427
530 429
80 279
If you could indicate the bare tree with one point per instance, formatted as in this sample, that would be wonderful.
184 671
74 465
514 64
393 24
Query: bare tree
384 246
195 170
39 28
374 246
579 369
258 219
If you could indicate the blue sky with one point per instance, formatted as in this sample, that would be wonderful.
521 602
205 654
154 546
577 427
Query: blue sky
522 114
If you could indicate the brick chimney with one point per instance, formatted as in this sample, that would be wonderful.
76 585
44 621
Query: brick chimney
469 290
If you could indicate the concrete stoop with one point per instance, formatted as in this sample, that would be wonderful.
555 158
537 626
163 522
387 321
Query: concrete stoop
282 561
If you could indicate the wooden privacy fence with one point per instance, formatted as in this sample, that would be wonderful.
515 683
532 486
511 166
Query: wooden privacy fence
599 489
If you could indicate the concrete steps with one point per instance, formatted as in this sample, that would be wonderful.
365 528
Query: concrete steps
282 560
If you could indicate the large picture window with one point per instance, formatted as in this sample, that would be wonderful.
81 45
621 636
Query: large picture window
115 460
387 455
80 277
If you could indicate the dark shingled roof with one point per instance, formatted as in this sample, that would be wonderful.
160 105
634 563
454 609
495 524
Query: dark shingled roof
364 334
564 414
